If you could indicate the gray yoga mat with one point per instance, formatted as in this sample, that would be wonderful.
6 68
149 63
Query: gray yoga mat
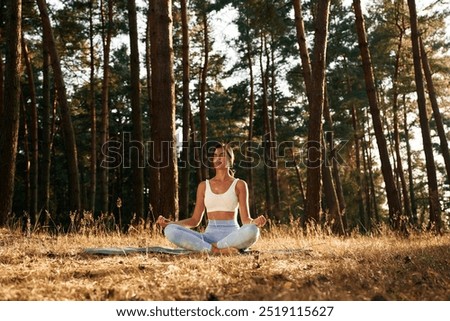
130 250
144 250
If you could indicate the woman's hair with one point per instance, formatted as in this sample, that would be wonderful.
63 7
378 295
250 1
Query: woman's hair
229 155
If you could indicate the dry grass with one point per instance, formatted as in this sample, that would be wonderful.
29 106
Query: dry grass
289 266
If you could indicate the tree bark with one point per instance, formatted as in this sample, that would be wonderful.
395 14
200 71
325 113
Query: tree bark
371 204
196 148
371 183
435 210
400 173
334 217
107 29
202 103
435 107
93 160
315 157
359 179
412 194
163 92
331 175
266 129
47 132
334 165
185 153
153 172
250 124
23 131
137 161
391 189
299 178
2 40
303 47
273 147
67 126
328 176
11 111
32 111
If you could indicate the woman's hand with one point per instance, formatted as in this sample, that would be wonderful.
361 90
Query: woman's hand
260 221
162 221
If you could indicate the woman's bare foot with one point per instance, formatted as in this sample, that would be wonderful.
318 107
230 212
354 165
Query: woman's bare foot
224 251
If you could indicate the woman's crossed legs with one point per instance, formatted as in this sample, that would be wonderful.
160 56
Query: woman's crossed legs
219 236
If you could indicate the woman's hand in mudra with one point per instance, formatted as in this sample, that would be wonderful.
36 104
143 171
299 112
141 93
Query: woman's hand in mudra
162 221
260 221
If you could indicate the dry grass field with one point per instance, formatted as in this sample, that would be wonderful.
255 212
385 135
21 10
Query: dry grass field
285 265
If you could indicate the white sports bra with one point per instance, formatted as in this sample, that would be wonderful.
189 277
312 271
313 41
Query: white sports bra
225 202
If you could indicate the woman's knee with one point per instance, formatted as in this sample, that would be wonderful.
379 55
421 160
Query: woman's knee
250 232
171 231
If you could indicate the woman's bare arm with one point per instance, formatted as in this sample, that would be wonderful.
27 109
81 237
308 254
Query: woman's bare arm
242 194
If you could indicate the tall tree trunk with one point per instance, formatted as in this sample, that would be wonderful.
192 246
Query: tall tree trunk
340 222
83 191
412 194
137 161
328 184
67 126
153 172
250 125
47 109
273 140
435 210
163 92
391 189
266 128
26 150
370 210
332 204
400 173
93 160
317 96
34 159
2 40
11 111
371 183
329 187
301 39
306 69
369 218
1 79
107 29
359 179
196 148
332 177
185 170
335 171
299 178
436 112
202 103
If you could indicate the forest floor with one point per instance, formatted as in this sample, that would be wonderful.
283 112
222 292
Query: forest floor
284 265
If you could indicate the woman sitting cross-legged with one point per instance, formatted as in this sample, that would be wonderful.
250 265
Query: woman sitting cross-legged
221 196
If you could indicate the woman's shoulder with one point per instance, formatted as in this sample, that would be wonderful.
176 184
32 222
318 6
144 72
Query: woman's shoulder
240 183
202 185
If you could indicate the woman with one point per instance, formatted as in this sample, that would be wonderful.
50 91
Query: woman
221 196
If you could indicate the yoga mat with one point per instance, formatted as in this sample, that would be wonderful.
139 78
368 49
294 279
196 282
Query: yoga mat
130 250
152 249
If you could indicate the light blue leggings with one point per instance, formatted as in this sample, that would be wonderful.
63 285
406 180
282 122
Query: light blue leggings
226 233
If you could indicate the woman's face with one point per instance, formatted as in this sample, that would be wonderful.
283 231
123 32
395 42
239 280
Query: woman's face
219 159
